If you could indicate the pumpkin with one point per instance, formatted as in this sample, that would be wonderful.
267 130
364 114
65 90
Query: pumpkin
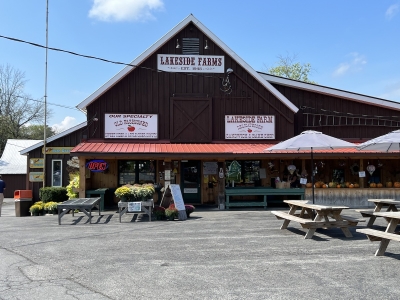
356 185
332 184
379 185
397 184
351 186
338 186
372 185
347 184
325 186
308 184
317 184
389 184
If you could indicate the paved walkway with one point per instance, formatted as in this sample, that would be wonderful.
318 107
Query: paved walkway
236 254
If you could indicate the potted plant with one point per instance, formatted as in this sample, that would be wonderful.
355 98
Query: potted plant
124 193
35 210
143 192
159 212
189 209
51 207
171 212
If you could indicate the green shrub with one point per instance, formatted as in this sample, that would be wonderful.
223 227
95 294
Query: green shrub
73 184
56 194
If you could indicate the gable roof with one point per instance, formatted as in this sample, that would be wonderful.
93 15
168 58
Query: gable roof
331 91
109 84
52 138
11 161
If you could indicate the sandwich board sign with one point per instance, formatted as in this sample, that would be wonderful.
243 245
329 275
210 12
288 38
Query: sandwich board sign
178 201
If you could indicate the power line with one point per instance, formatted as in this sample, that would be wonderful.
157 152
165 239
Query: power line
42 101
99 58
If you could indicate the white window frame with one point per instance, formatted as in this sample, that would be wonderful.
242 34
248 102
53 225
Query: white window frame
52 172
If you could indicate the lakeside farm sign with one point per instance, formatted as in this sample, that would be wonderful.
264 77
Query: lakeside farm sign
249 127
190 63
131 126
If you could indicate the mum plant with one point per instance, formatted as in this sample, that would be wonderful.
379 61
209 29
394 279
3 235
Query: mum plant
171 212
189 209
159 212
123 191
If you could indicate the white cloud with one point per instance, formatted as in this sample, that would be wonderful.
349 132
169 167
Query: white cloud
124 10
392 11
65 124
355 64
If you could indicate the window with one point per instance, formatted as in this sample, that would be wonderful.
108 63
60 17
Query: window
56 172
243 172
136 171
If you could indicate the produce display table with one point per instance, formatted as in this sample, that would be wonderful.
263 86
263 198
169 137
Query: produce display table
146 208
258 191
85 205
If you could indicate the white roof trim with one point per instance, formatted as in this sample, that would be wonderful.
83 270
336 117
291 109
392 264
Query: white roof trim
82 106
331 91
53 138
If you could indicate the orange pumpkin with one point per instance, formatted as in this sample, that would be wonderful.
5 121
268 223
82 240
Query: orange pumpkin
308 184
338 186
379 185
397 184
356 185
318 184
325 186
389 184
372 185
351 186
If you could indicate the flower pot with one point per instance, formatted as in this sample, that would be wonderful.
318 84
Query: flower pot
124 199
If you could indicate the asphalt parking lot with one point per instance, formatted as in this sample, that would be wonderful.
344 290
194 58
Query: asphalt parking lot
236 254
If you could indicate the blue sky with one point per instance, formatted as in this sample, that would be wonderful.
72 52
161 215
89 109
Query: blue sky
351 45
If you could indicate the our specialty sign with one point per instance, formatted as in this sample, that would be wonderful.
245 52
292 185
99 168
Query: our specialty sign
190 63
131 126
249 127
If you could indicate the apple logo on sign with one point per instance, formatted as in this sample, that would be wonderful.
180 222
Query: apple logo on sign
131 128
249 130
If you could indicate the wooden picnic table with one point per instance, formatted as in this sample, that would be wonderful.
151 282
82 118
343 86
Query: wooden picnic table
325 217
85 205
389 204
386 236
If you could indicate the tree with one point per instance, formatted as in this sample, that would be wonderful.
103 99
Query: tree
289 68
35 132
17 109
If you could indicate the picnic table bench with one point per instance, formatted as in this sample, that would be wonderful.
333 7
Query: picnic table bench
85 205
258 191
386 236
326 217
389 204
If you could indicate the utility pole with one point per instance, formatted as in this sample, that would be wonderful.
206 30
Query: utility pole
45 95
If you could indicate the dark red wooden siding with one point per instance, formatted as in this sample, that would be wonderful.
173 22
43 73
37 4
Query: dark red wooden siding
145 90
342 118
70 140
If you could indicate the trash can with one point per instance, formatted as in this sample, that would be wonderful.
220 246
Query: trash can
23 201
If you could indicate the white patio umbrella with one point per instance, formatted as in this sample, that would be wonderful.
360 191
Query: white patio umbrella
389 142
311 140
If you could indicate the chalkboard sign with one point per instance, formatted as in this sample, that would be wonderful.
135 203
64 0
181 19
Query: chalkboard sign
177 196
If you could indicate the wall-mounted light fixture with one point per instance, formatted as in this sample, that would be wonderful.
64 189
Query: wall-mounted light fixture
206 46
177 44
226 85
